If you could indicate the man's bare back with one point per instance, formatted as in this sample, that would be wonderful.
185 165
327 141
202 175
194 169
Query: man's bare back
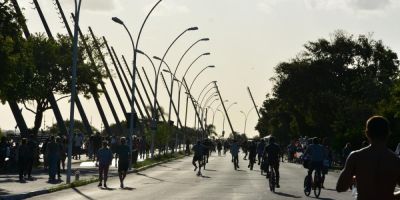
377 172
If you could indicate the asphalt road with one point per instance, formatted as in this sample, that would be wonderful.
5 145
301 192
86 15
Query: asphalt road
177 180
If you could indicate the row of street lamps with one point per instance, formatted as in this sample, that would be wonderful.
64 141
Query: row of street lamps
157 72
200 109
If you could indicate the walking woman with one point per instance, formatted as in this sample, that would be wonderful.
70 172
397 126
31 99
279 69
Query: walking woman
104 159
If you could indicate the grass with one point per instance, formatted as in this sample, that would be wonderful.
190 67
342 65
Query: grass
74 184
158 159
140 165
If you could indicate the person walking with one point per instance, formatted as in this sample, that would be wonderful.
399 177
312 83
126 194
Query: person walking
198 150
234 149
104 159
260 150
123 154
53 157
22 159
252 154
32 156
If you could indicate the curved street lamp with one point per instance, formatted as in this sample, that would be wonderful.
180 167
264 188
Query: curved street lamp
119 21
195 78
246 115
154 120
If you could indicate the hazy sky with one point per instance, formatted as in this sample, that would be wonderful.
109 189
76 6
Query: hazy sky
248 38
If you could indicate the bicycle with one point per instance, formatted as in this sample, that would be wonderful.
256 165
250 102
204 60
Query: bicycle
310 184
272 179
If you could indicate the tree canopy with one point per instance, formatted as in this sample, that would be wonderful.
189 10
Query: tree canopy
331 88
33 68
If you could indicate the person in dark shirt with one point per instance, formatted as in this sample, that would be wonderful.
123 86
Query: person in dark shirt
104 158
219 147
123 154
53 157
252 154
271 154
32 155
260 150
22 159
198 150
3 152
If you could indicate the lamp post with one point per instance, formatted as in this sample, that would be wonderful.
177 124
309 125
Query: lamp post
73 86
245 121
176 69
131 123
155 118
191 85
216 109
246 115
183 78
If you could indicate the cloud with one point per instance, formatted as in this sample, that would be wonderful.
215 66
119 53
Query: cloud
266 5
370 4
96 5
168 8
355 5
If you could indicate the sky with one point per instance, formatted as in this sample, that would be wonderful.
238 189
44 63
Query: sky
248 38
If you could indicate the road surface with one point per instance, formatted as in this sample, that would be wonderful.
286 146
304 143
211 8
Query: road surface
177 180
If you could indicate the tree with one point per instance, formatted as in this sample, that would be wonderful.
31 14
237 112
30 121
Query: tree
330 89
78 127
44 69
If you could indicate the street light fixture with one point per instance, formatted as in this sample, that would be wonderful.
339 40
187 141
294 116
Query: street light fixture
154 119
119 21
73 86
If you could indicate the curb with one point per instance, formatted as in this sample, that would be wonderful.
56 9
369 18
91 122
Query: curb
49 190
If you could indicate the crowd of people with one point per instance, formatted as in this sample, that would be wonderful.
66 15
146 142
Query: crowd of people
314 153
25 153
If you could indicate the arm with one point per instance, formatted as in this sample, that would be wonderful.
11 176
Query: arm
346 176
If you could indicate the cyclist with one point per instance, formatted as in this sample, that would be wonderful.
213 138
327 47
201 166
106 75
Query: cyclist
252 154
260 150
271 154
316 153
375 167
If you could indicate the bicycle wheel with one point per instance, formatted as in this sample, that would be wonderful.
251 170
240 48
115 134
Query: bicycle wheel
307 186
272 181
317 187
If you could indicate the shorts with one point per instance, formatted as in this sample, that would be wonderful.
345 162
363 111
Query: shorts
197 158
123 166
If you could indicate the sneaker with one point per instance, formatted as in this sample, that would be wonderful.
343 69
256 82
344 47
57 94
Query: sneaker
105 185
122 185
278 186
195 168
99 185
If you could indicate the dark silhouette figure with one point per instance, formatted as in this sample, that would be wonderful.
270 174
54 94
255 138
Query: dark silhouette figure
374 168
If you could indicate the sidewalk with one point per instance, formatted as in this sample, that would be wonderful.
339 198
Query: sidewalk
11 188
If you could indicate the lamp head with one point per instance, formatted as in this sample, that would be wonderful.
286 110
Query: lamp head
193 28
166 70
117 20
157 58
205 39
211 66
206 54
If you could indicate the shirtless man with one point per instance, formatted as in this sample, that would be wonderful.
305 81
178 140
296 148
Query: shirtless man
375 167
